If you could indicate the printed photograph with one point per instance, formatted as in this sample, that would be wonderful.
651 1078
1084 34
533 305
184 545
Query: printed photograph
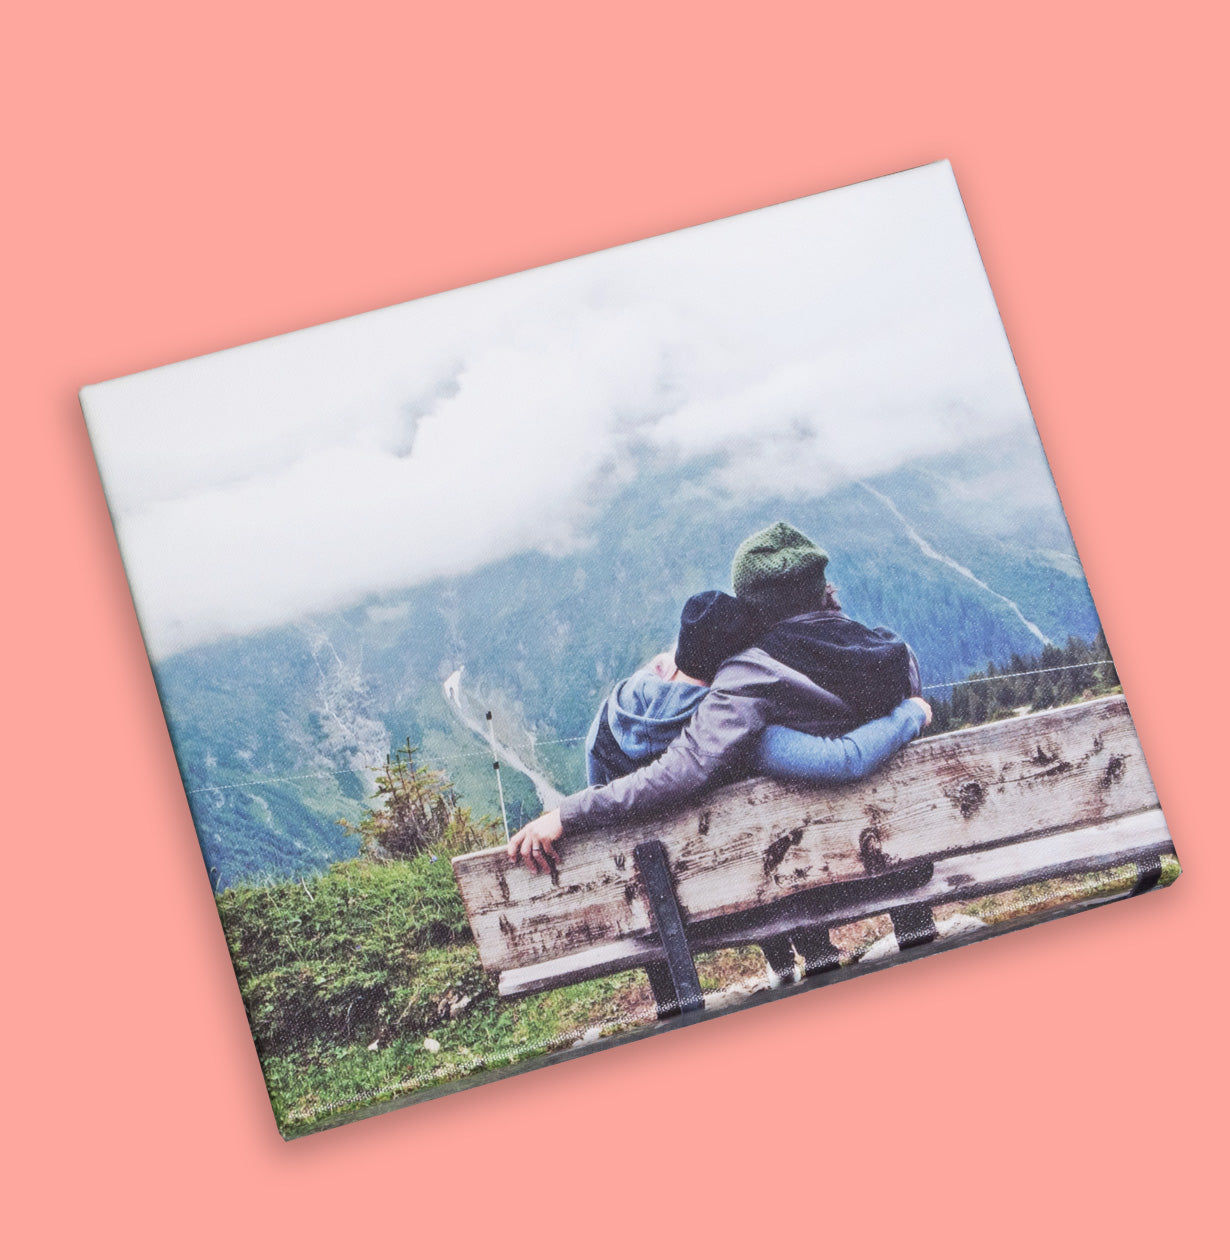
560 659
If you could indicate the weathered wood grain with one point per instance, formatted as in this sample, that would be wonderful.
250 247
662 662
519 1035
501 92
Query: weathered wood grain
752 843
957 878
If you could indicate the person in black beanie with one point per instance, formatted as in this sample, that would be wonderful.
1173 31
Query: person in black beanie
645 713
713 627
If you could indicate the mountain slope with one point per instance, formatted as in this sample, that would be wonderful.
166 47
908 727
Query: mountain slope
276 733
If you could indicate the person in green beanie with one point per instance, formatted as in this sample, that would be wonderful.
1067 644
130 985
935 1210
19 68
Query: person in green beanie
809 668
779 569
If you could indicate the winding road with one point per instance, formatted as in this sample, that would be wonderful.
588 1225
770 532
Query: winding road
547 793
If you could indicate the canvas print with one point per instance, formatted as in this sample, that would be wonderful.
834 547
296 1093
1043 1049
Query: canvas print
597 649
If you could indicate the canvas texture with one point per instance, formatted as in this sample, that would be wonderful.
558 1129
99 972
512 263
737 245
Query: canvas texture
588 652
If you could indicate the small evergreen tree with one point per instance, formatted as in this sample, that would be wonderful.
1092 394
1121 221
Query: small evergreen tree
418 812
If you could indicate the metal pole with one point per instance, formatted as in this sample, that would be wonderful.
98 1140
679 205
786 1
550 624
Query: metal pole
495 761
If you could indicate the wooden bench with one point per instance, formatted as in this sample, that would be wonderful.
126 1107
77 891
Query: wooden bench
767 863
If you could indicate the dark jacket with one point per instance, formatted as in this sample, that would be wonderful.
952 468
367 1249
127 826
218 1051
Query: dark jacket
819 672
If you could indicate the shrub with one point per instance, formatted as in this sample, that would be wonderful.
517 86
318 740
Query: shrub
418 812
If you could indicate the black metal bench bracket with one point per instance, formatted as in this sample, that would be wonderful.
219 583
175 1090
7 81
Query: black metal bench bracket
779 957
676 986
914 925
816 949
1148 872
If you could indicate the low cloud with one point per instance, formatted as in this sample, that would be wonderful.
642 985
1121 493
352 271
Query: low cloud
807 344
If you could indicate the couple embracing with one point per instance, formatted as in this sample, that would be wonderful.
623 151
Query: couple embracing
774 680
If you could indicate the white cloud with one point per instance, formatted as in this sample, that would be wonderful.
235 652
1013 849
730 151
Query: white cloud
809 343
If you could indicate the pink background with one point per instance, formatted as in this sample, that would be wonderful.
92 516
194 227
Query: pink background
184 178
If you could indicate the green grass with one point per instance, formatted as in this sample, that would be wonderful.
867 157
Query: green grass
379 954
325 1078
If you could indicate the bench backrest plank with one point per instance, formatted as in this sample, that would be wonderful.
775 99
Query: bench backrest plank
751 843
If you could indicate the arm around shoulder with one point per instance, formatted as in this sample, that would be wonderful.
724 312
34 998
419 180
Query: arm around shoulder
789 754
721 731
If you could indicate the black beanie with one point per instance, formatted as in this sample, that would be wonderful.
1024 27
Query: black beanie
713 626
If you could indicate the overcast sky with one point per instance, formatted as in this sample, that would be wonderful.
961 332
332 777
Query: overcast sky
808 344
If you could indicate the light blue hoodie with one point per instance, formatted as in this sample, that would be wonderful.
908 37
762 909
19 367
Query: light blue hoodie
636 724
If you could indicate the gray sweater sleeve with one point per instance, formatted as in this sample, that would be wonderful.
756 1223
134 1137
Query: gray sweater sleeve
722 731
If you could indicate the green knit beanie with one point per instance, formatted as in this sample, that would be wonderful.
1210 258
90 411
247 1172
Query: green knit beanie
777 564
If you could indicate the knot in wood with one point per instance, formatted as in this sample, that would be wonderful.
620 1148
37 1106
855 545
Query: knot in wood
775 854
970 797
1115 770
870 849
